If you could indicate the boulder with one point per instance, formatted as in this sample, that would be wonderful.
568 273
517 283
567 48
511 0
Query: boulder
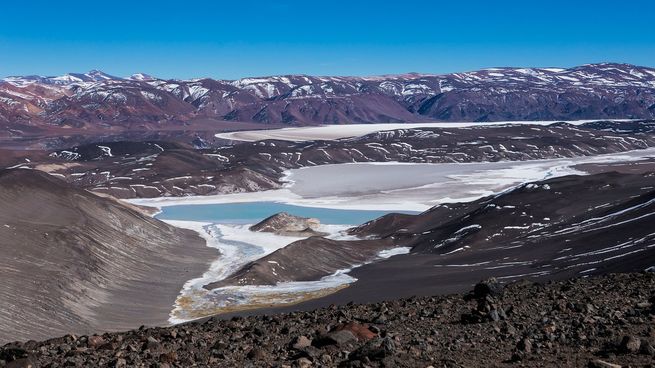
338 338
361 331
286 224
301 342
602 364
490 287
630 344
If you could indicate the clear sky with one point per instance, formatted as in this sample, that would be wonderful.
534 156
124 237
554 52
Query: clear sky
239 38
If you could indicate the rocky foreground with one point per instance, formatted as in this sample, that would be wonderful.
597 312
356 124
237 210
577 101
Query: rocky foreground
604 321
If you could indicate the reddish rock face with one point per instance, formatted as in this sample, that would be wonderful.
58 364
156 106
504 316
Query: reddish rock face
361 331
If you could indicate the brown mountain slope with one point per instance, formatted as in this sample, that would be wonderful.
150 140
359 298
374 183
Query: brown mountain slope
594 91
75 262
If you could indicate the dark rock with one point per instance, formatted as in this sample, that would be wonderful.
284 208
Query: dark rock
374 350
303 363
153 344
21 363
118 363
517 356
256 354
10 353
490 287
389 345
301 342
170 357
339 338
361 332
311 352
525 345
630 344
646 348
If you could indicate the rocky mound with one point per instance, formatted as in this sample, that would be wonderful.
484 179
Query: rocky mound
596 322
289 225
305 260
75 262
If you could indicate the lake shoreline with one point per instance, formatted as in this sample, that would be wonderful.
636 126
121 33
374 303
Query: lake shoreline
533 170
236 246
458 182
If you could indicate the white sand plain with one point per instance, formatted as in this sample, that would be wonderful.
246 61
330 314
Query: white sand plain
331 132
397 186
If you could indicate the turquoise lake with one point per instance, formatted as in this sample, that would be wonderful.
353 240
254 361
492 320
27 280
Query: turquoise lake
252 212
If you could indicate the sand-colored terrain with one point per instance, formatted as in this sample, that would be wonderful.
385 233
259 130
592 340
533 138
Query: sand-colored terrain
73 262
332 132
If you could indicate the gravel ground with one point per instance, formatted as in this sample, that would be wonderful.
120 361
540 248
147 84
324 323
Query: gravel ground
602 321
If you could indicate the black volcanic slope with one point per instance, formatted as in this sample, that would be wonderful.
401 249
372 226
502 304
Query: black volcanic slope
151 169
558 228
75 262
305 260
587 322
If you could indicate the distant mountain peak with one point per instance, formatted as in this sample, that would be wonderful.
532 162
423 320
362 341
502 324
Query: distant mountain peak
141 77
91 76
99 73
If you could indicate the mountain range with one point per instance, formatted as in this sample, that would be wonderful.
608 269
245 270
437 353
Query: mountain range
97 101
126 169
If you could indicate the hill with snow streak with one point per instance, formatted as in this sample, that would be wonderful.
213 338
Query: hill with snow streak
98 100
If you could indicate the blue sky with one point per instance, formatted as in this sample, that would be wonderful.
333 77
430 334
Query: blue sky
184 39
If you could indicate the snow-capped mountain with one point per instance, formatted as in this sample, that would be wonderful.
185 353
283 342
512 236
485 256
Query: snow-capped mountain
63 80
586 92
141 77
